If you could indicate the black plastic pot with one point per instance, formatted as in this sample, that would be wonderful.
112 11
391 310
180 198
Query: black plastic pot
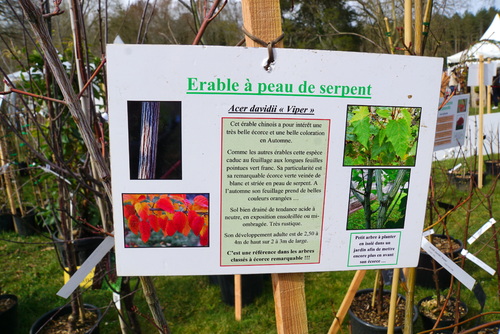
462 181
9 320
428 323
26 225
492 167
6 223
494 329
251 288
83 248
359 326
64 311
425 269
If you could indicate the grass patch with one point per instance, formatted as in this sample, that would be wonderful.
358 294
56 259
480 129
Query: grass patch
473 111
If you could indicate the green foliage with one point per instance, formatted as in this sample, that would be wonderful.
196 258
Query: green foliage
381 136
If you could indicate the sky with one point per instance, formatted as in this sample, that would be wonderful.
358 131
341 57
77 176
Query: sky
475 5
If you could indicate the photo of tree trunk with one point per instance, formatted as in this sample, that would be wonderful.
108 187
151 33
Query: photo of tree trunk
378 198
154 129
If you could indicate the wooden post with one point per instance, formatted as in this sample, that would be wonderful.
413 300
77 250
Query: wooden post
418 27
237 297
290 303
394 300
410 275
346 303
407 27
480 129
262 19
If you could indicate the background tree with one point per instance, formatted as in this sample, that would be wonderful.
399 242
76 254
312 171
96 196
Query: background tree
320 24
173 22
450 31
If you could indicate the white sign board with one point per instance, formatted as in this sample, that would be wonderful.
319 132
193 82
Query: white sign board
266 171
490 70
452 123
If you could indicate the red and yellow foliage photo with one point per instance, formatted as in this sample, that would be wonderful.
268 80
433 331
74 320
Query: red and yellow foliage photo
165 220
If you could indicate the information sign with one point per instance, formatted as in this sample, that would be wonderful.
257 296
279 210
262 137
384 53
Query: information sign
452 123
319 164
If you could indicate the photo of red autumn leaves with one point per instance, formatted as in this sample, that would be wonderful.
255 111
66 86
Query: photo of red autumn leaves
165 220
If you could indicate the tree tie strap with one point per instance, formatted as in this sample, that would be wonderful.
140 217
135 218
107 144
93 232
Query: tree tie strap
269 45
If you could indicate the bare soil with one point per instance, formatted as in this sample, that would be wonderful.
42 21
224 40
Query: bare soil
489 330
6 304
431 309
445 245
361 307
59 325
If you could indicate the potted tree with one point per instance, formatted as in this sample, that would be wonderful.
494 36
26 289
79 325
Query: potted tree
6 224
369 311
440 311
492 162
429 272
57 320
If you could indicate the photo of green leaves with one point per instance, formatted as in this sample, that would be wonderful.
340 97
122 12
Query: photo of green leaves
381 136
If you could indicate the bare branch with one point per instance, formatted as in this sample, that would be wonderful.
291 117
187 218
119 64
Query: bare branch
208 18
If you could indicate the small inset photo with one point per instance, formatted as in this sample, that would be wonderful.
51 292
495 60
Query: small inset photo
378 199
462 105
381 136
165 220
154 129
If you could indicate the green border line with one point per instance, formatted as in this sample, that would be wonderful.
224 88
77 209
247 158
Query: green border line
269 94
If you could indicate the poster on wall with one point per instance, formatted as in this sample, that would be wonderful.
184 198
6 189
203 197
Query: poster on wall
452 122
219 166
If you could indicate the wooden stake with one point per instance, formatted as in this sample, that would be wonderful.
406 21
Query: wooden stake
407 27
418 27
388 33
237 297
375 285
262 19
410 275
426 24
8 185
394 301
480 129
346 303
488 93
